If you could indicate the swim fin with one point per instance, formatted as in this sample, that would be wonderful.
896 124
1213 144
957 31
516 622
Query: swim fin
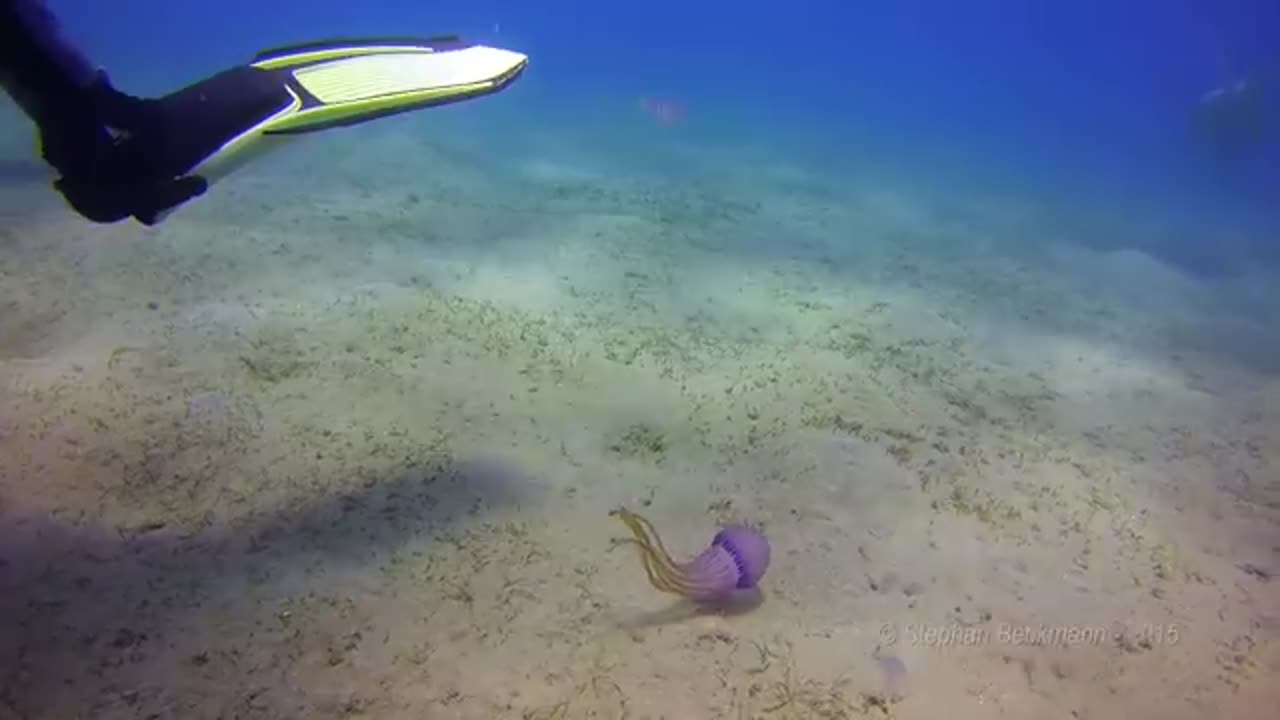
226 120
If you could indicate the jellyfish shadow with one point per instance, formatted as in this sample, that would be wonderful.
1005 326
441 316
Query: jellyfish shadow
739 602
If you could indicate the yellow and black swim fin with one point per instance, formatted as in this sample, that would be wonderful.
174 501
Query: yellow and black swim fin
238 114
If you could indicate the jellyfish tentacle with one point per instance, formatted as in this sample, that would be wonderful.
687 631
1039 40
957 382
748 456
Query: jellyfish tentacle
648 556
646 534
653 568
657 539
657 562
675 576
663 572
644 559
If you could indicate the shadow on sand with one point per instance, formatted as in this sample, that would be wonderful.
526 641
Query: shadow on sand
81 603
739 603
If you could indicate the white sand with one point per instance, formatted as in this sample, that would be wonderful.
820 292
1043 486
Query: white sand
357 456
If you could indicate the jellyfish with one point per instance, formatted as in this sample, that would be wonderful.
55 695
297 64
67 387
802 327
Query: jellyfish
736 560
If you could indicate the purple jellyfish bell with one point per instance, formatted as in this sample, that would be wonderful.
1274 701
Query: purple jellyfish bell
736 560
750 551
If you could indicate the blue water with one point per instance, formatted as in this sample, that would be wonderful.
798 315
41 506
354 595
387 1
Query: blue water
1084 100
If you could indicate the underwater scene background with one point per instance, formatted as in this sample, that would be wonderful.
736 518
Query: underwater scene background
971 309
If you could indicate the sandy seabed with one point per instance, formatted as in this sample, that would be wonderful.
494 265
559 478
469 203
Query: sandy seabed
353 455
